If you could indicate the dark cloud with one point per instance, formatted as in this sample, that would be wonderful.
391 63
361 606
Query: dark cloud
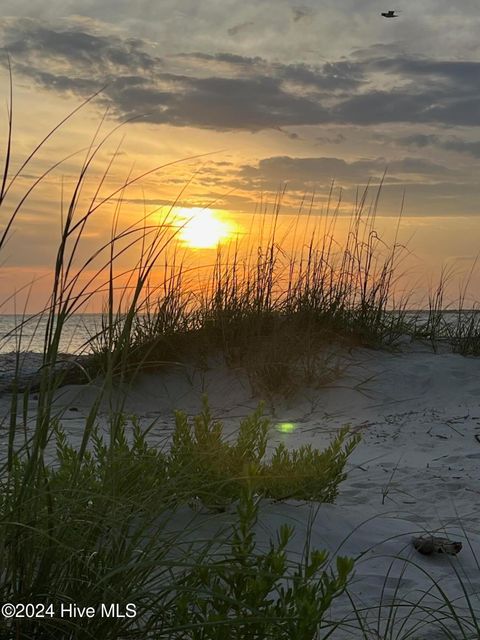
419 140
462 146
468 147
291 135
460 74
337 138
239 27
428 107
418 167
217 103
226 91
230 59
28 39
377 107
307 173
301 12
426 91
330 77
58 81
259 96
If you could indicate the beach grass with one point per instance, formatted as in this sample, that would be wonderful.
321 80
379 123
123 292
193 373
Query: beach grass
272 312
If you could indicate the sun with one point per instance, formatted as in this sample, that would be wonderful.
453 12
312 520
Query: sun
203 228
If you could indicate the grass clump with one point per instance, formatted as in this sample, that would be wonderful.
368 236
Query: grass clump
272 309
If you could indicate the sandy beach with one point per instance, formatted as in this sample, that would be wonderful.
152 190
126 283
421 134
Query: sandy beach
415 470
222 219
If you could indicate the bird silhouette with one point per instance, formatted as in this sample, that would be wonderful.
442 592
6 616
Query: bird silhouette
390 14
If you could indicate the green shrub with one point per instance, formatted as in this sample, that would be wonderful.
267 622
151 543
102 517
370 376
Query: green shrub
204 465
307 473
250 595
72 532
91 528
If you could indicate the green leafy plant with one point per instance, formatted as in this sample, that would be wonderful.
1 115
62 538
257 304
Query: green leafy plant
206 466
307 473
82 533
252 595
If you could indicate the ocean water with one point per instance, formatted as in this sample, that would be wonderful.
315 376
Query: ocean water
29 334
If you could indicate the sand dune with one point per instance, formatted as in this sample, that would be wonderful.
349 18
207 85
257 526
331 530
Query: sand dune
416 469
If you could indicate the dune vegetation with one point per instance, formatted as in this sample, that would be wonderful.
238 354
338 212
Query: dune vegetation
97 523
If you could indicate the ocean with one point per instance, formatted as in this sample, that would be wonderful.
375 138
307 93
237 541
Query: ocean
30 335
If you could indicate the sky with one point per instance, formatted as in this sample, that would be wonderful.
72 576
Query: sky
249 98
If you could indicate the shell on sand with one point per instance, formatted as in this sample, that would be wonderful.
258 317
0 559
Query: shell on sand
429 544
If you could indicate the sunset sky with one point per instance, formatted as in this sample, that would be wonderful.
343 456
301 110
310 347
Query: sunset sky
276 92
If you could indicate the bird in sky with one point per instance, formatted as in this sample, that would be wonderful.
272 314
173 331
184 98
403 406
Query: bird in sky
390 14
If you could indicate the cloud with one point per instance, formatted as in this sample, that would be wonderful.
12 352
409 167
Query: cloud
468 147
304 174
460 74
300 12
26 39
418 166
423 90
337 138
239 27
291 135
421 140
462 146
250 94
337 77
227 91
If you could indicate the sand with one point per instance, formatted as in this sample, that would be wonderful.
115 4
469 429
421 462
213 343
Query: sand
416 469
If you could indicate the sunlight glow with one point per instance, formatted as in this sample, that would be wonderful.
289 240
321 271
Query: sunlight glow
203 228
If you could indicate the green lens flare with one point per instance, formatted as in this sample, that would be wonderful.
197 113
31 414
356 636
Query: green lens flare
286 427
